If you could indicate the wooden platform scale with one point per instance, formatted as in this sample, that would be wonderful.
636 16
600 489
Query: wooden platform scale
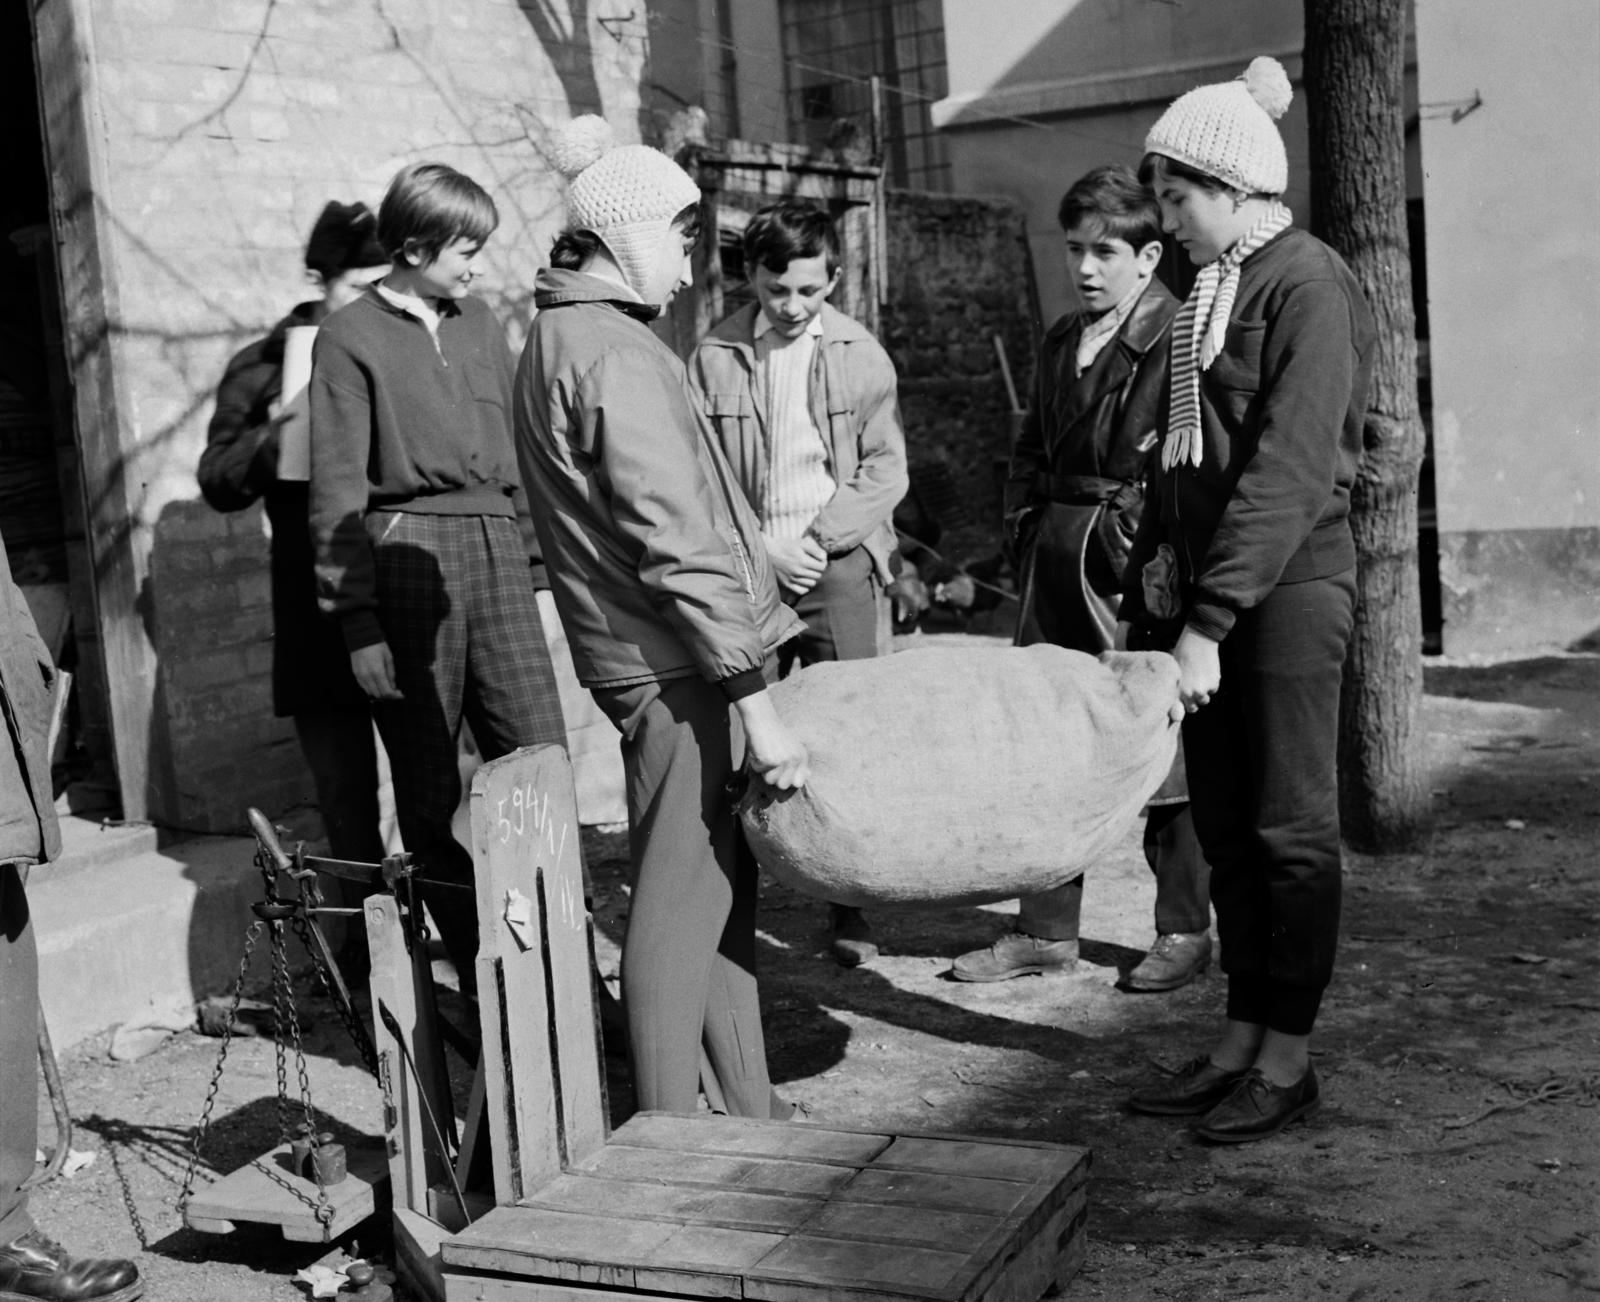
672 1206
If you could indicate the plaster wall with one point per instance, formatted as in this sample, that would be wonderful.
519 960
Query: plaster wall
216 131
1512 188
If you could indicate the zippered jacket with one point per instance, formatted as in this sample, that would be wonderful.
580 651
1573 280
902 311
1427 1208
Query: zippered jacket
655 558
854 396
400 422
1281 413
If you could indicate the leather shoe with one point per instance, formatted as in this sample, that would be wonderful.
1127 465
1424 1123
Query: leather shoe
35 1268
1195 1088
1017 954
1173 961
853 942
1258 1108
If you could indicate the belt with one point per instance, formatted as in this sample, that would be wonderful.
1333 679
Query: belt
1087 490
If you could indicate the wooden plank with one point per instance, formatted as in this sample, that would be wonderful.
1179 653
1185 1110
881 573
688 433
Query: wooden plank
699 1260
1016 1235
977 1157
472 1128
473 1288
649 1201
811 1268
1050 1257
668 1166
904 1226
543 1074
268 1192
936 1192
415 1161
416 1250
746 1137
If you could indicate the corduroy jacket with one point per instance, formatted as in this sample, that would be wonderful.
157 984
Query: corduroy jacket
854 401
1282 409
29 832
655 557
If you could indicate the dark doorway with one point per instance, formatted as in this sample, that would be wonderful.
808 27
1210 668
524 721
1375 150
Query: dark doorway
41 499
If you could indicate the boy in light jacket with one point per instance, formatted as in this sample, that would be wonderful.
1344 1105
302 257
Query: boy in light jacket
804 402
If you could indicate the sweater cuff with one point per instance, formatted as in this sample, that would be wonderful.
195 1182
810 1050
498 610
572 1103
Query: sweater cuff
360 629
738 686
540 576
1211 618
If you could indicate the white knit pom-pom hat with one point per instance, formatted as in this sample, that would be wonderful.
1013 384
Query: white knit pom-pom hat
626 194
1228 131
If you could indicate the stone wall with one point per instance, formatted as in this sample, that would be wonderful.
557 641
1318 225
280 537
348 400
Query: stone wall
959 276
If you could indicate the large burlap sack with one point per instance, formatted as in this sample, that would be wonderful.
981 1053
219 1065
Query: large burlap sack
963 775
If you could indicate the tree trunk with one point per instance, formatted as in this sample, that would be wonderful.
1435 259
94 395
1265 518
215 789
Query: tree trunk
1354 70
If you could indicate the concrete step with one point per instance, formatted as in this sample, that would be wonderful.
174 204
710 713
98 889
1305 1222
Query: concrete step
129 933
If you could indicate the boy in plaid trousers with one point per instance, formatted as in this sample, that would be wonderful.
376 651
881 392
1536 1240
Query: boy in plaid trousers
415 503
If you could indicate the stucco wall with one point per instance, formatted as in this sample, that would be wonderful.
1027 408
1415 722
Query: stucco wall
1088 78
217 130
1513 187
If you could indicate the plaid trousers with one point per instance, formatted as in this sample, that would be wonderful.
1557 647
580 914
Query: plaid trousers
457 607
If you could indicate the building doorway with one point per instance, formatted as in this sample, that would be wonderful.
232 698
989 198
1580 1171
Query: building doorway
41 498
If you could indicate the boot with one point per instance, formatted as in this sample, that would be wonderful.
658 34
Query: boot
852 943
1017 954
1173 961
34 1268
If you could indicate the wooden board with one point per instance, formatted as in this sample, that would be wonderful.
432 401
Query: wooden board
267 1192
725 1207
541 1039
415 1159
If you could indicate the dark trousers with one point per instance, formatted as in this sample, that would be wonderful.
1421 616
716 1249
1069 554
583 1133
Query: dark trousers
689 960
1264 785
458 611
840 614
19 1054
1181 872
343 759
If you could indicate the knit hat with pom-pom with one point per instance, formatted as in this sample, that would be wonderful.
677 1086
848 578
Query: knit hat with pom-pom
1227 129
626 194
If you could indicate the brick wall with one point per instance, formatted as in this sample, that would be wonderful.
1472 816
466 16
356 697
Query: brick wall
958 276
224 126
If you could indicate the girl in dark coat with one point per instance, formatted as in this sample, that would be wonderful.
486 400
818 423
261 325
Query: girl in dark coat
1250 555
311 678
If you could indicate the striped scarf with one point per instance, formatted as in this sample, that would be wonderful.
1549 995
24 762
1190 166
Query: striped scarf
1200 329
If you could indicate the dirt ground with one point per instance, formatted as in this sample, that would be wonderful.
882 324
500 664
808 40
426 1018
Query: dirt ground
1467 979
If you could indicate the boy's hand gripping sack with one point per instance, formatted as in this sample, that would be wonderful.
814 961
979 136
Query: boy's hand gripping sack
963 776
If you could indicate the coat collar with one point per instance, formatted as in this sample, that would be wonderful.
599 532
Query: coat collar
739 330
1145 326
554 287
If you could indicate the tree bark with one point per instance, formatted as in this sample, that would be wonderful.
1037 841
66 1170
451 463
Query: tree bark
1354 70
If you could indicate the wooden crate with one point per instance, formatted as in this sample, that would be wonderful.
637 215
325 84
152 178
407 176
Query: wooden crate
702 1206
691 1207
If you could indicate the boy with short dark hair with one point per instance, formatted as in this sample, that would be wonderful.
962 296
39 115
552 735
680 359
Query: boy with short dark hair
415 498
1073 500
804 402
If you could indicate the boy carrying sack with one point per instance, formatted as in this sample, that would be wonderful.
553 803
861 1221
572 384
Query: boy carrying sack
804 403
415 502
1074 499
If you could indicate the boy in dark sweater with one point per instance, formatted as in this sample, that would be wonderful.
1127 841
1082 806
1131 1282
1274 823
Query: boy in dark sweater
1248 560
415 501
